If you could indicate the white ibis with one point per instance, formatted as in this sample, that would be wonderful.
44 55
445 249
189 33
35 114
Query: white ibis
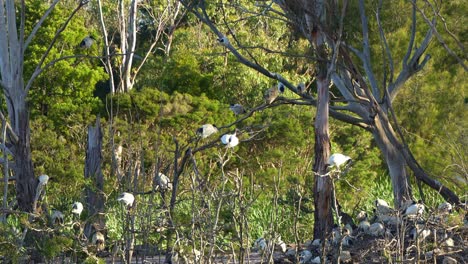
207 130
57 217
87 42
337 160
271 95
77 208
382 207
415 209
126 198
43 179
230 140
163 182
98 240
223 41
237 109
280 243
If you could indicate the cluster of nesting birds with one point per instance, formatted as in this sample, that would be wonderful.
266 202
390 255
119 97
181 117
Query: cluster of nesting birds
57 217
382 225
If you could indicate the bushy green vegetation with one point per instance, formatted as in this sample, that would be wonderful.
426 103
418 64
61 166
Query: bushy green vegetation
229 198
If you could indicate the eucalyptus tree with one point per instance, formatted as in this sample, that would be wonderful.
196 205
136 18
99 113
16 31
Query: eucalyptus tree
14 43
123 25
349 69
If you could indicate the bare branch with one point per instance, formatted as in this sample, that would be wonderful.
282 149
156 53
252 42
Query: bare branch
107 63
46 53
39 24
414 65
366 51
413 35
386 49
441 40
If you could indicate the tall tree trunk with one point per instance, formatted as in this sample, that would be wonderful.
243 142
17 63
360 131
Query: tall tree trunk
395 162
323 186
23 166
94 196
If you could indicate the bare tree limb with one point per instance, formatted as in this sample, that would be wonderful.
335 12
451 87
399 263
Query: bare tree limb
46 53
39 24
439 37
366 51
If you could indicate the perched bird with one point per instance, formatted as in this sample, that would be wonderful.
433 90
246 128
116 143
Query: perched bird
414 210
382 207
271 95
380 202
87 42
223 41
300 88
98 240
230 140
445 208
43 179
281 87
260 244
57 217
237 109
77 208
207 130
126 198
305 256
376 229
364 223
280 244
163 182
338 159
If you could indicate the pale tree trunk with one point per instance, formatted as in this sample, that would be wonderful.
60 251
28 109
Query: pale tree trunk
395 162
94 195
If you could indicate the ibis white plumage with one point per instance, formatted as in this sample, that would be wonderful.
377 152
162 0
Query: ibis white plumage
415 209
163 182
43 179
77 208
337 160
207 130
126 198
230 140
